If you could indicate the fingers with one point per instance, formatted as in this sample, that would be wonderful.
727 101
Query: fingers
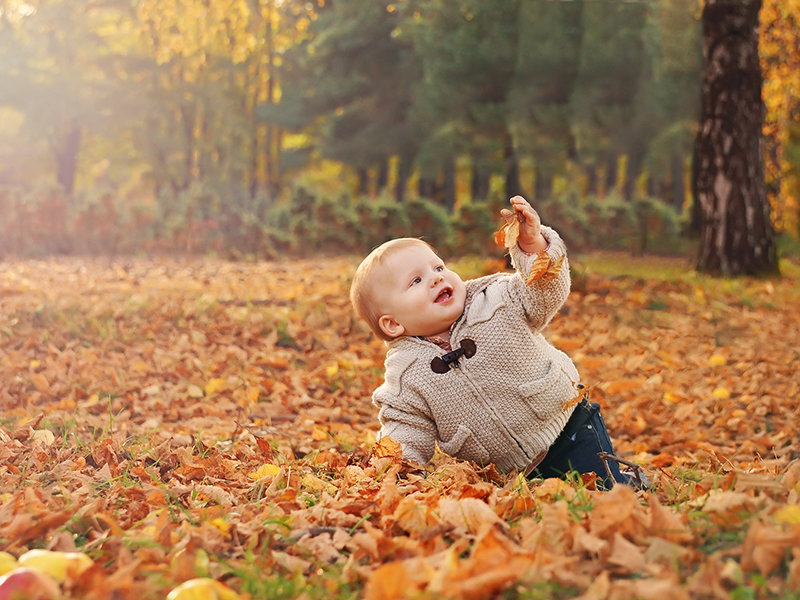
523 208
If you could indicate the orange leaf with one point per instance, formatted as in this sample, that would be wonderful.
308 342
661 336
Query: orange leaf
470 513
540 266
507 235
386 446
765 547
554 270
40 382
392 582
414 516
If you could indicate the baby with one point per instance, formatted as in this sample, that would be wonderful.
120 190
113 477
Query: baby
467 368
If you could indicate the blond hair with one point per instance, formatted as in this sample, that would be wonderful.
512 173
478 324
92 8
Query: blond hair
362 289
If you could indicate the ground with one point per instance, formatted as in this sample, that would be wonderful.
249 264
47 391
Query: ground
181 418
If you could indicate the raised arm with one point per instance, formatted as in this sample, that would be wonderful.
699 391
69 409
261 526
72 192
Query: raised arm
540 258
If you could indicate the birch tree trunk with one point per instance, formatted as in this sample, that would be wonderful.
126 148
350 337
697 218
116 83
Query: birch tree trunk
736 234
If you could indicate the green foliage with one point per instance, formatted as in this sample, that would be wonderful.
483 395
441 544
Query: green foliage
430 222
613 223
379 220
474 224
319 223
226 221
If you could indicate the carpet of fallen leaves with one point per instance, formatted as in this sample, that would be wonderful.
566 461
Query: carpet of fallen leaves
175 419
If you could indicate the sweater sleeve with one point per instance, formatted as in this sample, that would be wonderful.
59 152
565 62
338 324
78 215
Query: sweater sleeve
542 298
405 424
403 413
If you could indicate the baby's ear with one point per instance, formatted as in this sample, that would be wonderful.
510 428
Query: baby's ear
390 326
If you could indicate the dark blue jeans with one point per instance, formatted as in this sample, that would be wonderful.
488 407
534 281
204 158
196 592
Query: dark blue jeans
577 448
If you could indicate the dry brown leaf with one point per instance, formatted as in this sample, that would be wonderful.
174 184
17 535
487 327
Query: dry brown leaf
387 447
554 270
626 555
539 268
470 514
766 547
507 235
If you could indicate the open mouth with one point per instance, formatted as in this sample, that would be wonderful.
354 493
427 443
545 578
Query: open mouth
444 295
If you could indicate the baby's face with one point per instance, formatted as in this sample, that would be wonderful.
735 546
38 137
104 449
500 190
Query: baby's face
417 294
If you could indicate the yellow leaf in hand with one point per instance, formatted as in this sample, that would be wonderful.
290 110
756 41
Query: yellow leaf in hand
59 565
7 562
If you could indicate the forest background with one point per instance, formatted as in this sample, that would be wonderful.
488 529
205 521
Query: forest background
257 128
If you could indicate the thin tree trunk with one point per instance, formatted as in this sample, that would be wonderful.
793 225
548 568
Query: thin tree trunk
382 176
544 183
66 152
513 184
612 173
736 234
404 166
678 190
480 183
449 184
271 148
362 181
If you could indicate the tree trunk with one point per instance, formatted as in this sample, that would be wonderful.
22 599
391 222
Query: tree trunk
362 181
678 190
632 172
66 152
543 186
405 164
612 174
736 234
513 185
449 183
382 176
480 183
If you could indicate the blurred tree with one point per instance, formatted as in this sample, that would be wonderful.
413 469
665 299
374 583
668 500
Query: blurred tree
779 51
548 54
668 105
736 234
469 54
51 72
197 130
612 66
353 78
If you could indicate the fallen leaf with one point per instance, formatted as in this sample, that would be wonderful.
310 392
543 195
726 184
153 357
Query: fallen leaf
470 514
265 470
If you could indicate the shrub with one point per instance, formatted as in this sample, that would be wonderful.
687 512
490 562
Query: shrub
319 223
474 224
379 220
430 222
564 213
659 227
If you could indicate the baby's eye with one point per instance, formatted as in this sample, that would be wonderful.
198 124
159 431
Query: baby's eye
415 281
439 269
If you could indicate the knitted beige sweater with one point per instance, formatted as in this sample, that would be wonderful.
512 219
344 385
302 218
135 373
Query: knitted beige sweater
504 405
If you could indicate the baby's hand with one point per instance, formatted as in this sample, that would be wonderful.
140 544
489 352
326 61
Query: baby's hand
530 238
